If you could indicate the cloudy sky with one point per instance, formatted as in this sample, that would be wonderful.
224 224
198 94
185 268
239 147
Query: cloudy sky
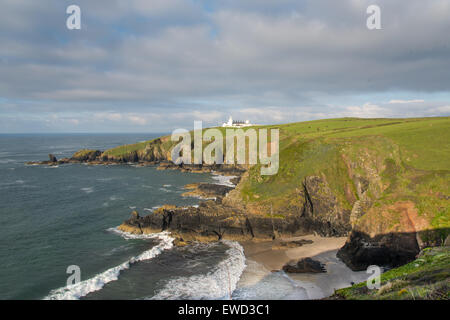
157 65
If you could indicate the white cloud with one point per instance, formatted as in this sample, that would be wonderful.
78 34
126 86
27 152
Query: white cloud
405 101
443 110
165 63
368 110
138 120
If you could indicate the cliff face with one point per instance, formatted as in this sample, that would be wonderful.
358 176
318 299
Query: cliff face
382 182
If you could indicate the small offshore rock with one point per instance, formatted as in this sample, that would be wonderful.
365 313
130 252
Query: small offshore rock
52 158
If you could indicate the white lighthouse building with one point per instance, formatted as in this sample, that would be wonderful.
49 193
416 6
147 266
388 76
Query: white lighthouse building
236 123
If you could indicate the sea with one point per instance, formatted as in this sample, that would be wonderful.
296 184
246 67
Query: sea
60 222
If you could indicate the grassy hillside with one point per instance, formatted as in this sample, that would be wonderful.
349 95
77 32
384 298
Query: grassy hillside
380 175
403 160
428 277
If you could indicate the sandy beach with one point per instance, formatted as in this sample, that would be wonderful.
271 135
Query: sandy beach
272 257
266 259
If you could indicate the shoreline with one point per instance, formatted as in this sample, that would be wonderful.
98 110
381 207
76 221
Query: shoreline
265 262
274 258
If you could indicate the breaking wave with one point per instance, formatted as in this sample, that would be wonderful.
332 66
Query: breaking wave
216 284
223 180
81 289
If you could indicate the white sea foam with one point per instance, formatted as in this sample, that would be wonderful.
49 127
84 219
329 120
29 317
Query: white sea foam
223 180
129 236
81 289
258 283
216 284
88 190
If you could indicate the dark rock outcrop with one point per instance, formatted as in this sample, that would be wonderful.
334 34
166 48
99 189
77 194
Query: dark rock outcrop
52 158
391 250
321 211
212 221
86 155
306 265
206 190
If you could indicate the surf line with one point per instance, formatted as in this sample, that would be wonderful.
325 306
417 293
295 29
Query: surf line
83 288
190 310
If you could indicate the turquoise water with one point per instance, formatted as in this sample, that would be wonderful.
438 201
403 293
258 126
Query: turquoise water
53 217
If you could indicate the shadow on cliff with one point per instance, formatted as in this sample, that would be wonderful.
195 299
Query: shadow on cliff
388 250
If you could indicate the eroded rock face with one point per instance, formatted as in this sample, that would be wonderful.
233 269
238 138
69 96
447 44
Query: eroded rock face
389 235
225 219
321 210
86 155
212 221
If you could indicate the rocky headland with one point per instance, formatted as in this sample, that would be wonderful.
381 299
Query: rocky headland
382 183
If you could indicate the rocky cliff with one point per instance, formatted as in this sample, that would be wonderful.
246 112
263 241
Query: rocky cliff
382 182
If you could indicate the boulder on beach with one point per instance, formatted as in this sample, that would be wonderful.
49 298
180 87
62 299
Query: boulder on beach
306 265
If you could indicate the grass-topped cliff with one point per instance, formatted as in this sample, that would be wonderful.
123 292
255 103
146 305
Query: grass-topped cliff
386 180
426 278
405 160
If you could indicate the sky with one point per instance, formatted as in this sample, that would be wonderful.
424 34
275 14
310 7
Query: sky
158 65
